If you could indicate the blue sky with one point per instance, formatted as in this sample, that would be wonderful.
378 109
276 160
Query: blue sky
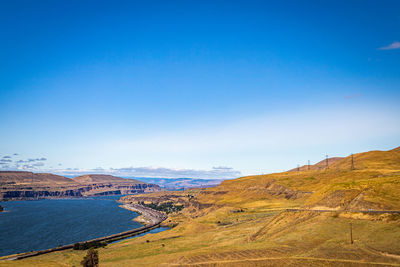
195 88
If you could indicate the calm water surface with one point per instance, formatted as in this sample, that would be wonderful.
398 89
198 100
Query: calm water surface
43 224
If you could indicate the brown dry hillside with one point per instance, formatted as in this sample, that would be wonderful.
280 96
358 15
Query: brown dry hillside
374 183
102 178
30 178
318 166
271 220
378 160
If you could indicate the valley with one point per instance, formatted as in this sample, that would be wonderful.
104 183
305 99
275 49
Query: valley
331 215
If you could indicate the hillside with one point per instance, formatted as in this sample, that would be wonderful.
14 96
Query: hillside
102 178
30 178
16 185
318 166
281 219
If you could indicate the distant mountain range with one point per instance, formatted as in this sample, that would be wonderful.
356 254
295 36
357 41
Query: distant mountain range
179 183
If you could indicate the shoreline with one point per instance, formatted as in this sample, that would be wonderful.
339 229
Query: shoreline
56 198
153 218
147 215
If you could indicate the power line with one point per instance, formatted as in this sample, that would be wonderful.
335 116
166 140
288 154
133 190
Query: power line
351 233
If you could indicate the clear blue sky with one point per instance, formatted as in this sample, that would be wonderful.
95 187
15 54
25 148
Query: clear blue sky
195 88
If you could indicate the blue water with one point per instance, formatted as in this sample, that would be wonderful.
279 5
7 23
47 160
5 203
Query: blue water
43 224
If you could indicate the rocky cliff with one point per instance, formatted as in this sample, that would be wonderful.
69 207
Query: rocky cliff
28 185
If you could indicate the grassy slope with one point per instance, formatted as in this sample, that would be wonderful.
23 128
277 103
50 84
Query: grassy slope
12 178
264 234
101 178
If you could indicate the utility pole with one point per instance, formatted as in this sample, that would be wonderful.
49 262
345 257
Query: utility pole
351 233
308 164
352 162
327 166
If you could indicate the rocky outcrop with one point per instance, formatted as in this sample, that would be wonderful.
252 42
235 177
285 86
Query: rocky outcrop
35 194
348 200
110 188
277 190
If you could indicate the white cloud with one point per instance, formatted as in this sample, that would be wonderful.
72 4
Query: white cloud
394 45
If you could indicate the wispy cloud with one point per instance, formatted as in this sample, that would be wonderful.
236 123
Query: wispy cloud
394 45
31 164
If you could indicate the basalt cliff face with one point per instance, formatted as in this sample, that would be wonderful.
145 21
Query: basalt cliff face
100 184
27 185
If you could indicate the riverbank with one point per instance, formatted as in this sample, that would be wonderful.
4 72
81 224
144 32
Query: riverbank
147 216
153 218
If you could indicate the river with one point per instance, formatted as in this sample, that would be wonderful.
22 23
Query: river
42 224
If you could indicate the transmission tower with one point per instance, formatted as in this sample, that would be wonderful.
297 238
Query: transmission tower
352 162
327 166
308 165
298 167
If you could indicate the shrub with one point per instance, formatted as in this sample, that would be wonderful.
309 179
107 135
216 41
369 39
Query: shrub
91 259
167 207
88 245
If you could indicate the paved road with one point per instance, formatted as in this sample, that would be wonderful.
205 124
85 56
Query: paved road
354 211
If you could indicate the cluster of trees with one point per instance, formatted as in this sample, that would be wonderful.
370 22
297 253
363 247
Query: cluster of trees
167 207
89 245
